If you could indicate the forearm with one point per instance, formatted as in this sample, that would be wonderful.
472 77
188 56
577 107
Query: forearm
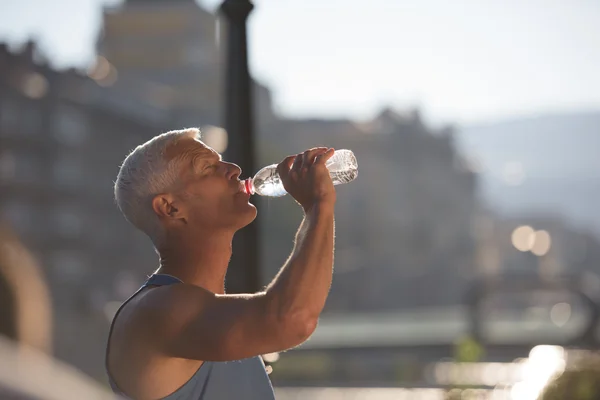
302 285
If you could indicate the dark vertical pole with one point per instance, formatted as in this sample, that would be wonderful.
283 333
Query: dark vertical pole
244 274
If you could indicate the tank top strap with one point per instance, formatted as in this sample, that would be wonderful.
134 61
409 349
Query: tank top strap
161 280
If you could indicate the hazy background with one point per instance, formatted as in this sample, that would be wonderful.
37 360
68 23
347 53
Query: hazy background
461 62
476 125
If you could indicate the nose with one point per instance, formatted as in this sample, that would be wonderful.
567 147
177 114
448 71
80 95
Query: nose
233 171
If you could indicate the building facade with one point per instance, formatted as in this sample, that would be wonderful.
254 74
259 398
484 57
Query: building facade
62 139
177 47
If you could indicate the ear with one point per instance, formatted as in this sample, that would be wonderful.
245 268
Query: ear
166 208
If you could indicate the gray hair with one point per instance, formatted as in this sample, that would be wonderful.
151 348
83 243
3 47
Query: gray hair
146 172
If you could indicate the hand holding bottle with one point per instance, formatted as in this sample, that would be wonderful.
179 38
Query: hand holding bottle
342 167
306 178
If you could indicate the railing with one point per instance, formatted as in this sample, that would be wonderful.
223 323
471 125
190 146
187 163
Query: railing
400 349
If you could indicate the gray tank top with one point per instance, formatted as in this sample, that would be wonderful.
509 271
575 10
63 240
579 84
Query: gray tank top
242 379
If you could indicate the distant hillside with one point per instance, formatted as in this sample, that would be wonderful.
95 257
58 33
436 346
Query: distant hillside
560 159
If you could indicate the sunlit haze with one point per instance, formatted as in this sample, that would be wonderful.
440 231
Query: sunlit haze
467 249
460 61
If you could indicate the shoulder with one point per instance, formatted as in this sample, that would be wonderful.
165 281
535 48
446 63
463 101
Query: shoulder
167 299
160 310
149 318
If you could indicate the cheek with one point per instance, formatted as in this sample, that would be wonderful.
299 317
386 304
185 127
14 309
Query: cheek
201 189
209 196
215 188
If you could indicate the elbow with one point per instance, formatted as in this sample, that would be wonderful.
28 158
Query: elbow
298 328
305 327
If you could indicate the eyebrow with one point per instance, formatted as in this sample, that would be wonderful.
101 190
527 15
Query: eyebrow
214 153
204 157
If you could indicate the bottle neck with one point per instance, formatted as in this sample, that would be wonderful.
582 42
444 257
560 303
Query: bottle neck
249 186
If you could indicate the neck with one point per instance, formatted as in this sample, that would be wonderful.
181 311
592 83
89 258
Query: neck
200 259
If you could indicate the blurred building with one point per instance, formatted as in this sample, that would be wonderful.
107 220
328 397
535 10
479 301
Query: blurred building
175 46
404 226
62 138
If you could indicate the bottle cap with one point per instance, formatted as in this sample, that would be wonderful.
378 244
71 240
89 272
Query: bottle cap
248 186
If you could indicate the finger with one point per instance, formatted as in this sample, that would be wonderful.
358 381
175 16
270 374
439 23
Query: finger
297 163
323 157
306 159
289 160
311 155
284 167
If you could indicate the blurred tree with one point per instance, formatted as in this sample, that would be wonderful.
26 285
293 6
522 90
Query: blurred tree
580 382
467 349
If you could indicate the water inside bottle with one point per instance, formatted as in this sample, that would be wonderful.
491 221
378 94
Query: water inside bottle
340 177
269 185
272 189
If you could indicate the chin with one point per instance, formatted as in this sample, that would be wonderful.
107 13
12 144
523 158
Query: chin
244 217
250 214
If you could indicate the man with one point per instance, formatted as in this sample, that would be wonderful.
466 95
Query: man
180 336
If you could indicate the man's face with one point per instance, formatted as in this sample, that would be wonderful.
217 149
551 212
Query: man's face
209 192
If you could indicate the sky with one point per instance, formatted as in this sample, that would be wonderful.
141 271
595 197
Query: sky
460 61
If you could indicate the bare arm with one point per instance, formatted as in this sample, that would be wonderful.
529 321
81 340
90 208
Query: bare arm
196 324
299 292
302 285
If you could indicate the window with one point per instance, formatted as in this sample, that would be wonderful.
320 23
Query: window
67 171
19 118
20 166
7 167
31 119
69 265
9 117
67 222
19 215
70 126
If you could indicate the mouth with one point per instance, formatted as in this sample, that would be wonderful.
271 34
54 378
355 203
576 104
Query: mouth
243 188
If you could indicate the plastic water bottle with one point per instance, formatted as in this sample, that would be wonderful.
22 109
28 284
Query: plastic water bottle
342 167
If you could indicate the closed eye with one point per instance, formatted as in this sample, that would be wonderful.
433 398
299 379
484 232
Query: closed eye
205 164
209 167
